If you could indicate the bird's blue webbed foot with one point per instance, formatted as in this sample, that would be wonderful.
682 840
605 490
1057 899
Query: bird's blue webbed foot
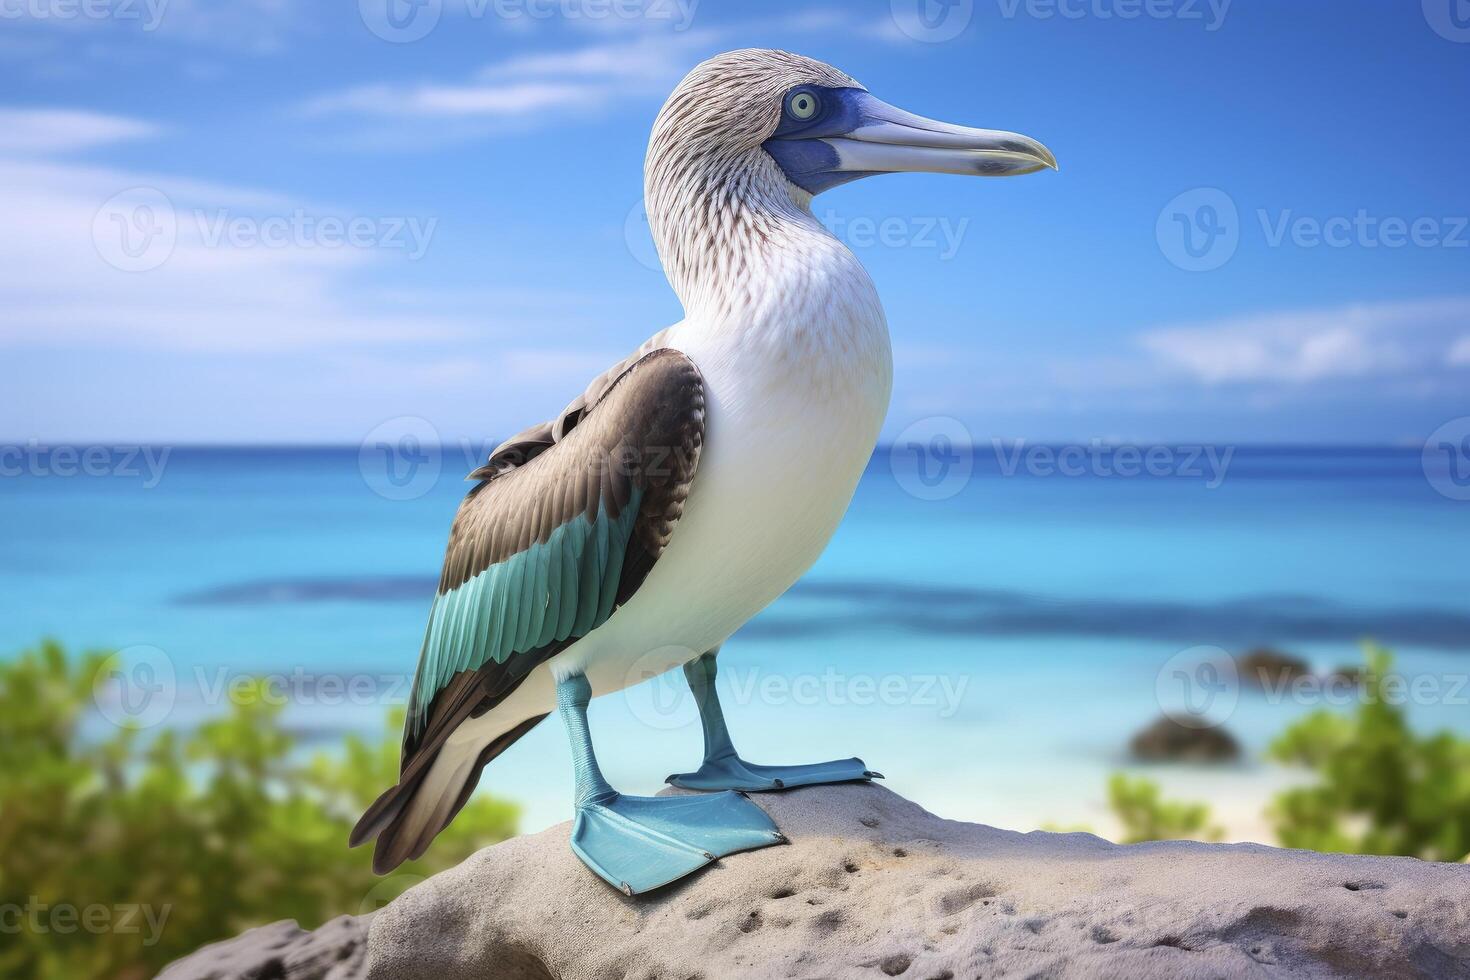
724 769
735 773
638 843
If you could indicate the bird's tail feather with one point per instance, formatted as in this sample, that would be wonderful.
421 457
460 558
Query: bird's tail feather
409 815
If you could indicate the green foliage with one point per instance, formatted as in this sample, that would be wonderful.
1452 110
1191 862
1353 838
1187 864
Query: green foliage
1380 788
1145 815
122 850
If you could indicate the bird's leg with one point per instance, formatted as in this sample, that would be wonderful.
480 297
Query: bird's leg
637 843
724 769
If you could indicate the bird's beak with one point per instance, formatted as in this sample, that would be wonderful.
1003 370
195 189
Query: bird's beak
859 134
890 140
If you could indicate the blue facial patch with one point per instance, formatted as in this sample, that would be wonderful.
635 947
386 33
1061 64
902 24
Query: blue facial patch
798 145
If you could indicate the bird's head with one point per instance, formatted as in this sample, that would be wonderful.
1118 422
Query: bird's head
819 127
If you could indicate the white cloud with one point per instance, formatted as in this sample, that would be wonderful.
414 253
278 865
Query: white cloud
569 81
58 288
1312 346
650 57
543 87
47 131
515 99
1460 353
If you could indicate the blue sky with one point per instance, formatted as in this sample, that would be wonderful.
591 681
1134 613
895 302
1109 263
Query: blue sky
1314 152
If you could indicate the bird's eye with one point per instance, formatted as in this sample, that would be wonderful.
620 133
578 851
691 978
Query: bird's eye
802 105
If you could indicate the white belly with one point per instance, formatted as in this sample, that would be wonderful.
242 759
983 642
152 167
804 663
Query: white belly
775 477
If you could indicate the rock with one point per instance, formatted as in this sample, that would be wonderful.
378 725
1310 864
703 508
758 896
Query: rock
1166 740
1265 668
873 886
282 951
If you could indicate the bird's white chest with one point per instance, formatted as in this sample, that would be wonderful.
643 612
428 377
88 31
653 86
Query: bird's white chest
784 451
794 411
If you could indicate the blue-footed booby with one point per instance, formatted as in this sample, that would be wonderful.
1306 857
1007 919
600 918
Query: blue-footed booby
691 484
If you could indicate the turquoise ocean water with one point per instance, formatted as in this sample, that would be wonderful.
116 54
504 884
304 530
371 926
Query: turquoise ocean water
991 652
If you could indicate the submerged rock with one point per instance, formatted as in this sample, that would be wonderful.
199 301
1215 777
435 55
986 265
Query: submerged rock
1166 740
872 885
1264 669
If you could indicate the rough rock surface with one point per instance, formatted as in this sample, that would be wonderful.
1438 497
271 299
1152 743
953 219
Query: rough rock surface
282 951
872 886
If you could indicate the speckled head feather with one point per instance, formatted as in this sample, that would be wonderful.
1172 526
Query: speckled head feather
732 102
709 187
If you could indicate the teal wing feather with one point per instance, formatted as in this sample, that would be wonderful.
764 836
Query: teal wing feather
513 608
563 528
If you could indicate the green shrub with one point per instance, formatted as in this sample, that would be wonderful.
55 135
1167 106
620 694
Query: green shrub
122 850
1380 788
1146 816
